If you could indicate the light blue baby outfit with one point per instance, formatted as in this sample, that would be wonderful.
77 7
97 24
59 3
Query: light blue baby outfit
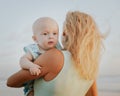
35 51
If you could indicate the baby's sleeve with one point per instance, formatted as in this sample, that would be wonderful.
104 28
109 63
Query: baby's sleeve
33 49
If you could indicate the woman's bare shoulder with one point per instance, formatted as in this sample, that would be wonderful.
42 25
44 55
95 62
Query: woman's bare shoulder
52 61
57 60
51 55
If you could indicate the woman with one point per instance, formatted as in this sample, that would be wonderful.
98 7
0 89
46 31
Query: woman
70 72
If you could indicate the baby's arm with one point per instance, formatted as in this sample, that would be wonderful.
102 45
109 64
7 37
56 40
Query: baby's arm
26 63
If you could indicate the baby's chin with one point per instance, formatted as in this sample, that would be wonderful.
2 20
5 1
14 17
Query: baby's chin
51 47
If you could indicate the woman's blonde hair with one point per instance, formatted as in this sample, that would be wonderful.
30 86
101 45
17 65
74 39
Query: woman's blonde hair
84 41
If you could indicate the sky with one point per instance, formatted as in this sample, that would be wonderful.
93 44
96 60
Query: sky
17 16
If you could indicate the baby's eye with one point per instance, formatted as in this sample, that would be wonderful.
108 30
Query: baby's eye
54 33
44 33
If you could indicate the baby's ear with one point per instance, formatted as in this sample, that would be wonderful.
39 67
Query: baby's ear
34 38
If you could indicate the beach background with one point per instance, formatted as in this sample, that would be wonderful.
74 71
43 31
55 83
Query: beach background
16 18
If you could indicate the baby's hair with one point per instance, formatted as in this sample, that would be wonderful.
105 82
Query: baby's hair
84 43
41 22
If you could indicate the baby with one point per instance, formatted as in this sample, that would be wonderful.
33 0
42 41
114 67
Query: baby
45 35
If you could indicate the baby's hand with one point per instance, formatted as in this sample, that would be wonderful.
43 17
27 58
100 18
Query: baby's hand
35 69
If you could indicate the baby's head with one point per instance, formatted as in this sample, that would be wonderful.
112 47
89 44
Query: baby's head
45 32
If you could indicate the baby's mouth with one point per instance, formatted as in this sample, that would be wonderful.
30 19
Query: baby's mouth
50 42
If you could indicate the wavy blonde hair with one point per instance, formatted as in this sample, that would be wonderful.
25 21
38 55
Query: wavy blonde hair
84 41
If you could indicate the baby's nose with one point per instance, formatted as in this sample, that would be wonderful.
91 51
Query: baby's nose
51 36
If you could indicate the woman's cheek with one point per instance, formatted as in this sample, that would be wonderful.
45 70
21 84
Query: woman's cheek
64 41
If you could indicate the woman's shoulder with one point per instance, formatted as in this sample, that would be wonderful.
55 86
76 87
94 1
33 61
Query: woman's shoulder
55 56
52 61
54 51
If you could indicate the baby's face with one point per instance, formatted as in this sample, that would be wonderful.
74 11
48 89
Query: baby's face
47 36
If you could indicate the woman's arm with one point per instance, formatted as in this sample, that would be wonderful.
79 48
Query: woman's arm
93 91
19 78
51 63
